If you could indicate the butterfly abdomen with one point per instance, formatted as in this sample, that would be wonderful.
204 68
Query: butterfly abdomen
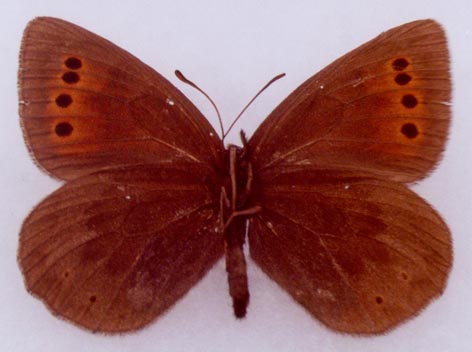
236 266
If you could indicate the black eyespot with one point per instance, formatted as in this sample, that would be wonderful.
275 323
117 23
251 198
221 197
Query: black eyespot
402 78
409 130
379 300
93 299
70 77
63 129
409 101
73 63
64 100
400 64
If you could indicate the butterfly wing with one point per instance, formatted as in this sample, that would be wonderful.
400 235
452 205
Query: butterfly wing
360 254
337 231
112 250
87 105
382 109
134 230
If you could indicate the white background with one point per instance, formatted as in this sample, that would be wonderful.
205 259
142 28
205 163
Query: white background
231 49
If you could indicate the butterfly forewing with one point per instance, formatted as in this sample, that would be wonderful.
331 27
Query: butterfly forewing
382 109
86 105
112 250
360 254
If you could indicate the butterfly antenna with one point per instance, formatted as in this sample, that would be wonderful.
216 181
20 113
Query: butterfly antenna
279 76
190 83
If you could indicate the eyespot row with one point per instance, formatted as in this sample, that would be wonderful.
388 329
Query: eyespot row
64 100
409 101
72 63
402 79
64 128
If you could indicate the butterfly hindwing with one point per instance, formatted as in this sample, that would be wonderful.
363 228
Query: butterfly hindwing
112 250
360 254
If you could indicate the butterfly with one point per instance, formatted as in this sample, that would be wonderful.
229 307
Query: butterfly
152 198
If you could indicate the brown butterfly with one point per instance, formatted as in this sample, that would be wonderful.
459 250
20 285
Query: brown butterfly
153 199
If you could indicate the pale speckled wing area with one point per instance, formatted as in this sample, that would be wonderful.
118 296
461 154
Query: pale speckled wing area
383 109
87 105
113 250
362 255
